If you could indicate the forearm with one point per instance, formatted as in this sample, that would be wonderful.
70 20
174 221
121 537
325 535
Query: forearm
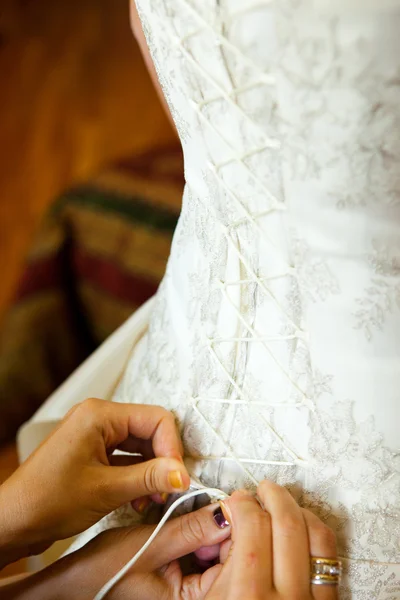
10 525
55 581
18 538
31 587
9 585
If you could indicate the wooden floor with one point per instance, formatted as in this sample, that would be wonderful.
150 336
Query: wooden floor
74 94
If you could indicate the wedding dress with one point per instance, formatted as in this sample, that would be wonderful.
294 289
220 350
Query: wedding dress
275 334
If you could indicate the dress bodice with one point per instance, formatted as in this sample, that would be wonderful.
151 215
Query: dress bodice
275 335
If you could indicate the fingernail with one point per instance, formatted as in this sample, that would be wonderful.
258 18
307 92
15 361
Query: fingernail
226 511
220 519
175 479
142 505
164 497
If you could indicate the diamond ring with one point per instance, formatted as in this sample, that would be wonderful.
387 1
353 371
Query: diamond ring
325 571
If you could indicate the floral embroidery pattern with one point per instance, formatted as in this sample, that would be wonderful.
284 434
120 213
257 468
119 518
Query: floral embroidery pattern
383 294
292 127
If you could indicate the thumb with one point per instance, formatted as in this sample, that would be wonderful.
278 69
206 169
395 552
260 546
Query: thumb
186 534
160 475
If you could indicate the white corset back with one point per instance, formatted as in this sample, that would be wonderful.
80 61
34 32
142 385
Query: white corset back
275 335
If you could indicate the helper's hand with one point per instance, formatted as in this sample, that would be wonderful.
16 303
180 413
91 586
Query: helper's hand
73 479
157 574
268 557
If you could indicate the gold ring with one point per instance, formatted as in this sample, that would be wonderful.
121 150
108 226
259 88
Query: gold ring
325 571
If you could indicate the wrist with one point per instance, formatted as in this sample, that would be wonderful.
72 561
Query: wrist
17 538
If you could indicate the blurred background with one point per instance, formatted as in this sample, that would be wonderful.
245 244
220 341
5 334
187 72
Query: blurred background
90 184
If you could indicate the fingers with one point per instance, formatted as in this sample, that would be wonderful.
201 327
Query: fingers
322 542
156 424
189 533
124 460
160 475
134 445
207 580
208 553
148 430
225 551
321 537
248 569
141 504
291 562
118 422
196 587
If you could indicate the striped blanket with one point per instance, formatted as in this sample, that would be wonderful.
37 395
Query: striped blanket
99 254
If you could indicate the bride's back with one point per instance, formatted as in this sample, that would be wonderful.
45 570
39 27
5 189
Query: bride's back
276 333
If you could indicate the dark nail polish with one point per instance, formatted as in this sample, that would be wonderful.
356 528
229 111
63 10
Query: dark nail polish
219 519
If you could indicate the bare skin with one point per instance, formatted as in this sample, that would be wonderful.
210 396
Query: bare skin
268 556
73 479
141 40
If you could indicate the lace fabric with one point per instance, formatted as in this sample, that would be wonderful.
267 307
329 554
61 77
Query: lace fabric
275 334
